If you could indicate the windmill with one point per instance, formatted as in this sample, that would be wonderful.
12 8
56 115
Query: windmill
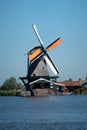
38 58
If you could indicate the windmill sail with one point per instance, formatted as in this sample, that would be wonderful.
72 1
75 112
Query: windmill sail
54 44
37 34
51 64
35 53
42 51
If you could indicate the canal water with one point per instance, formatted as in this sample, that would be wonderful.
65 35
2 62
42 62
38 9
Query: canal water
43 113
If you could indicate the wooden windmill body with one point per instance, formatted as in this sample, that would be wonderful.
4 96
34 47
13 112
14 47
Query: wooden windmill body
38 67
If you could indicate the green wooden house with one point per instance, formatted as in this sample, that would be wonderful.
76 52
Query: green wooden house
84 84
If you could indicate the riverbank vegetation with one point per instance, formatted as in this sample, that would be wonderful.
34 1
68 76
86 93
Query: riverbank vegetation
11 87
8 93
80 91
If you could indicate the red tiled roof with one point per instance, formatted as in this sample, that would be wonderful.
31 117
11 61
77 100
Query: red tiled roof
71 83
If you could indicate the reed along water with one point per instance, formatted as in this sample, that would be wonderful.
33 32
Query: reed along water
43 113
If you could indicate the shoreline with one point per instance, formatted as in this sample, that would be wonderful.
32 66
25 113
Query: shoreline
39 92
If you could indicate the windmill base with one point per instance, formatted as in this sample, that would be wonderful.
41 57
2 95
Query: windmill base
38 82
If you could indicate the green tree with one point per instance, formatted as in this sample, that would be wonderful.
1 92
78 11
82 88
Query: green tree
20 86
79 79
70 79
11 84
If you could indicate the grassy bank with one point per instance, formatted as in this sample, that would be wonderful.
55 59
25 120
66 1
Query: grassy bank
8 93
38 92
80 92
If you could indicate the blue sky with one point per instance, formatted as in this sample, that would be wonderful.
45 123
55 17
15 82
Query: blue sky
66 19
